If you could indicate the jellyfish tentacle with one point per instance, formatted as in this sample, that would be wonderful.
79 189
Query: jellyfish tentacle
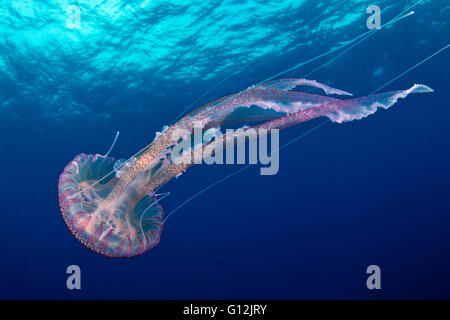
161 197
112 146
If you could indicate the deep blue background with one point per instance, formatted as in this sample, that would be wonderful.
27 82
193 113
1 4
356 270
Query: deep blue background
374 191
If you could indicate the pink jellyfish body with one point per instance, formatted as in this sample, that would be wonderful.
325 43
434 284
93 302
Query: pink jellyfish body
118 215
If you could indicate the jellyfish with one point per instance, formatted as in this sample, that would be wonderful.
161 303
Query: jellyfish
112 206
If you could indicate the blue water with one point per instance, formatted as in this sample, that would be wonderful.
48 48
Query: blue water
374 191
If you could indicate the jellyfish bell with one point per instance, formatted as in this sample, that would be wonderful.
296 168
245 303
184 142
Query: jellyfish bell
112 227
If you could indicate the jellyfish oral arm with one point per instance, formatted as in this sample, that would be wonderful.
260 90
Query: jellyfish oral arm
355 109
274 95
337 111
289 84
345 110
